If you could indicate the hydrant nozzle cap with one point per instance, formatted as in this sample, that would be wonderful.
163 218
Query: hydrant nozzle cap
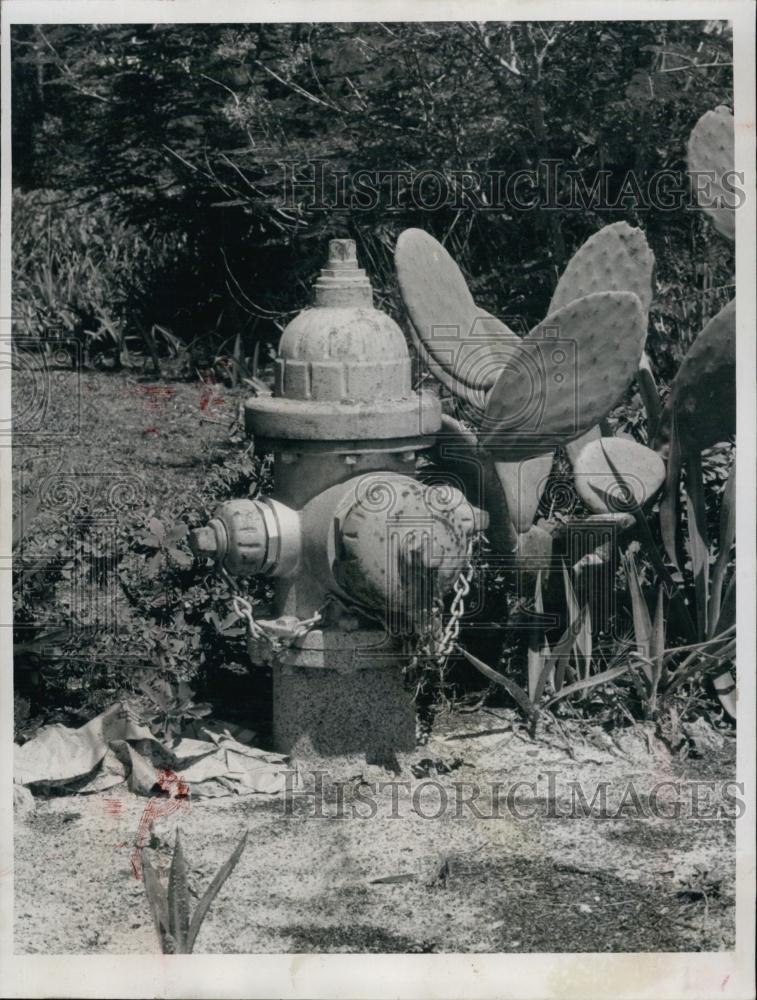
202 541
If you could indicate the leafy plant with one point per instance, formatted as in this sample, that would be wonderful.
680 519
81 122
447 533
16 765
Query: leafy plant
176 925
80 277
170 706
161 542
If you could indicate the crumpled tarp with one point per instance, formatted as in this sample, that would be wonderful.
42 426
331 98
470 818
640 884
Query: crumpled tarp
115 748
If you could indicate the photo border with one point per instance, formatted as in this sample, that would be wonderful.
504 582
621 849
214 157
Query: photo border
626 975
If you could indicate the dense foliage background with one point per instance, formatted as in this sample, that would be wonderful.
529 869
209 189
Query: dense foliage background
187 135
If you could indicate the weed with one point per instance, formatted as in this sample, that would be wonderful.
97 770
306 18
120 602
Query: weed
175 924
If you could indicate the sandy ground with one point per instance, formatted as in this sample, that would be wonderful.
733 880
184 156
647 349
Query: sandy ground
459 883
533 881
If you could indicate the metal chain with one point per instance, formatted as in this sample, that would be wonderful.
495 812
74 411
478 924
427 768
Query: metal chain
243 609
435 642
451 631
442 648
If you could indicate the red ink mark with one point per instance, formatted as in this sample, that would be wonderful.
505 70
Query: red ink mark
723 984
113 806
155 396
150 430
175 795
208 397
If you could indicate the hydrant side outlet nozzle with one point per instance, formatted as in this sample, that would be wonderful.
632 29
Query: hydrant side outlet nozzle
251 537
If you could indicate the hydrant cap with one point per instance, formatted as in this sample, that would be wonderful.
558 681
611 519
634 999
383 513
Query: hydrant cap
342 349
342 283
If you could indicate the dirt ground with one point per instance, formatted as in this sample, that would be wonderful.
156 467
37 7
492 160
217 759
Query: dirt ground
307 882
522 875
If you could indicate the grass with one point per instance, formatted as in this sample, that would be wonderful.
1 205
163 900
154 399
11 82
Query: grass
134 451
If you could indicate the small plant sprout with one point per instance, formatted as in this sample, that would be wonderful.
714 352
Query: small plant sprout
176 926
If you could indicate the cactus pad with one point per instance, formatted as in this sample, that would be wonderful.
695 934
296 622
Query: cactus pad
468 344
574 448
615 259
642 471
456 452
523 484
572 369
534 550
704 390
711 152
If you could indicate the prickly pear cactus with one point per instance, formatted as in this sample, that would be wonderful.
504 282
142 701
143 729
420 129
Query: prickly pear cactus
574 448
523 484
615 259
533 552
711 164
641 469
704 390
472 470
574 367
464 345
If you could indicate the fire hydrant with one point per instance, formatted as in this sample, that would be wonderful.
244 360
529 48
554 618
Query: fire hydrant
358 547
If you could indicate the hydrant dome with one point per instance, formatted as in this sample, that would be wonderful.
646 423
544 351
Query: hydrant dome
343 354
346 334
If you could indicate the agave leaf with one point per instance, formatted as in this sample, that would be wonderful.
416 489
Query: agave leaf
657 643
515 691
699 548
657 648
642 623
724 683
212 891
650 395
670 520
238 368
727 615
663 573
538 647
580 623
588 683
556 660
727 537
156 897
178 899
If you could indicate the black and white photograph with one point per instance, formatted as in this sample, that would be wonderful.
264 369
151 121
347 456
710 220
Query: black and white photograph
370 500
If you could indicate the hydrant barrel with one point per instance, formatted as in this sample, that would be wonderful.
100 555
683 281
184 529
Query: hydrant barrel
345 426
